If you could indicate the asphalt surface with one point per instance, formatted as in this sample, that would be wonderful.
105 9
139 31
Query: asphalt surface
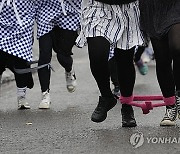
66 128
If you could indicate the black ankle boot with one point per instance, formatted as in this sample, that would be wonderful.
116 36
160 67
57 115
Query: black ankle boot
128 119
104 105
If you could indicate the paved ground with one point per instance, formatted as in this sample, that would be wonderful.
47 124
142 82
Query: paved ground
67 129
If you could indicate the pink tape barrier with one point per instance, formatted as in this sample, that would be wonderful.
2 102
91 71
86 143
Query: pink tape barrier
145 102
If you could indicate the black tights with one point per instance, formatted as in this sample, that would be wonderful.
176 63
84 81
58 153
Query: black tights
11 62
98 48
126 71
167 55
62 42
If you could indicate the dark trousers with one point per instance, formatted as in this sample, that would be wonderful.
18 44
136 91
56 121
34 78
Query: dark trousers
62 42
99 65
167 56
11 62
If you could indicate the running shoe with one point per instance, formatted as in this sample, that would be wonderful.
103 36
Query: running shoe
22 103
142 67
116 92
46 101
170 116
71 81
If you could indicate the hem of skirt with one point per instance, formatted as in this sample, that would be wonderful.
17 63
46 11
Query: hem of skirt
29 59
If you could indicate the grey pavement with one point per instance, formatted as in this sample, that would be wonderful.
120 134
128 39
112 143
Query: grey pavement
66 128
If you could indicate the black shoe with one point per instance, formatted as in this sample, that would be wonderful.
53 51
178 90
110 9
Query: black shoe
128 119
104 105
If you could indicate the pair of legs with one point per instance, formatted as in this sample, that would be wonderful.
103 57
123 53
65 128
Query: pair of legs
167 56
98 56
23 81
142 67
62 42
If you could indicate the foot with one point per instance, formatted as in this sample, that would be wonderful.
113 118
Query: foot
116 92
128 119
104 105
22 103
71 81
170 116
142 67
45 102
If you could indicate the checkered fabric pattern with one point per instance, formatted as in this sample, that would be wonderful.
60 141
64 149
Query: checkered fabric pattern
15 39
49 14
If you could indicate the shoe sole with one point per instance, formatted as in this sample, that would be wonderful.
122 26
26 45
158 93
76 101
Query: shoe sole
22 107
45 106
99 120
71 90
167 123
130 125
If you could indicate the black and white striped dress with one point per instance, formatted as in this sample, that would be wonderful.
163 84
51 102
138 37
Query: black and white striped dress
16 27
119 24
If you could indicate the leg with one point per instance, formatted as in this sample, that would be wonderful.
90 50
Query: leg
3 61
114 76
45 54
98 56
64 41
174 46
126 76
142 67
22 81
165 77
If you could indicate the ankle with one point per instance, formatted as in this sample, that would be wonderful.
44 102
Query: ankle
126 100
170 101
21 92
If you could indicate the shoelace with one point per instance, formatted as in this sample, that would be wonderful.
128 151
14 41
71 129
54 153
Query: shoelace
178 100
45 95
170 113
15 9
70 75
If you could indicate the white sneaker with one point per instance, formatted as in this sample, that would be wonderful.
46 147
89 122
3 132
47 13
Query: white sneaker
71 81
45 102
169 117
22 103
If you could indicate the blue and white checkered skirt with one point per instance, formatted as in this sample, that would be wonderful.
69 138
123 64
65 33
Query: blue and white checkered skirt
16 28
50 13
119 24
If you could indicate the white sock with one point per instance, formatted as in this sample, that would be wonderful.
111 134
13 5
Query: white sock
21 92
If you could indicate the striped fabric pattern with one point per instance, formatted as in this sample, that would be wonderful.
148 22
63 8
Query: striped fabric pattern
119 24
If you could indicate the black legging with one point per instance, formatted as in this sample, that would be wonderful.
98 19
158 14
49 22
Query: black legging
11 62
62 42
98 48
167 55
126 71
